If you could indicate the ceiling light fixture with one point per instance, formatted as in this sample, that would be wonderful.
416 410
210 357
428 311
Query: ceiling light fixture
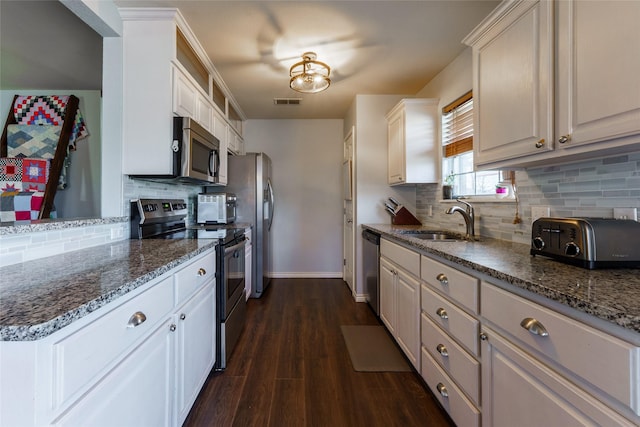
309 75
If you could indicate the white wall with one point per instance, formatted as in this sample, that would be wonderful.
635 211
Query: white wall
82 196
307 168
371 188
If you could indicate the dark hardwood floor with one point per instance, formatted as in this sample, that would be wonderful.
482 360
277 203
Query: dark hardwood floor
291 368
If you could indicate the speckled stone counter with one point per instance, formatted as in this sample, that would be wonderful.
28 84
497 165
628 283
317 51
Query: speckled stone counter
30 226
40 297
612 294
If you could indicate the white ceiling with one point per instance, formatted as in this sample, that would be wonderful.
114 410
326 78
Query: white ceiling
373 47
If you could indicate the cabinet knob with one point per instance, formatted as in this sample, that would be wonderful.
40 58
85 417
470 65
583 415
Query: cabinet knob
136 319
483 337
442 390
534 326
183 316
172 327
540 143
442 350
444 280
564 138
442 313
202 271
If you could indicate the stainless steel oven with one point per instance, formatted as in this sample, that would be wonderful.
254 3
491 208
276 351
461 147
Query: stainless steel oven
165 219
231 296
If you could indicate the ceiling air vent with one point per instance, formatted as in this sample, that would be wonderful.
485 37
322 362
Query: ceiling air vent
287 101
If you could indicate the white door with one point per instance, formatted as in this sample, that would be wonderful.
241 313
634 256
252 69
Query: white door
137 392
348 230
196 347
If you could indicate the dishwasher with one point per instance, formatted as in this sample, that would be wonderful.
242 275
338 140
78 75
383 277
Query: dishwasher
371 268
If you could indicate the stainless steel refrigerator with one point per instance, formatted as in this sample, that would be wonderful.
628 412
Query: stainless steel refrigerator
249 177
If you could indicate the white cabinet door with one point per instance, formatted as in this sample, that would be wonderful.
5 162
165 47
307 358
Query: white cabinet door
138 392
542 397
598 67
196 347
185 95
396 148
413 143
220 131
387 295
408 316
513 84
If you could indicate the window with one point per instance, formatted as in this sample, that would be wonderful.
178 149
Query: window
457 151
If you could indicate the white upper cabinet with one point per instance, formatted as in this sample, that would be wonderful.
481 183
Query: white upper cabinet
598 72
166 73
555 79
413 142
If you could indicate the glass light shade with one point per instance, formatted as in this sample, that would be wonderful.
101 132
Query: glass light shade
309 75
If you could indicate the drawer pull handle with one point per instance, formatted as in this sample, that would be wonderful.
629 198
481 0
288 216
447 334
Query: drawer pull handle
442 350
442 313
183 316
202 271
136 319
442 390
535 327
444 280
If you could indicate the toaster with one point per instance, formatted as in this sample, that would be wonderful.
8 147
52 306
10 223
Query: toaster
588 242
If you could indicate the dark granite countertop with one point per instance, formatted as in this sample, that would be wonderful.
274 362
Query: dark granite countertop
40 297
609 294
30 226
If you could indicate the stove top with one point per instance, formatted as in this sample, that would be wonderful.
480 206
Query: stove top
165 219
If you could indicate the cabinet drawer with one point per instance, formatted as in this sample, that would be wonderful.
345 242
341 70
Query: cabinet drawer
457 285
454 359
456 404
404 257
604 361
81 356
453 320
194 276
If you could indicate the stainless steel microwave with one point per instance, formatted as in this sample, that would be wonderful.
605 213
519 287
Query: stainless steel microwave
196 151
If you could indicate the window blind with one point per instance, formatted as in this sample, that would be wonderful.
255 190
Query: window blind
457 126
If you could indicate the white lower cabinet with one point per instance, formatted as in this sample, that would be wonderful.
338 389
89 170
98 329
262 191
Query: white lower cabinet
400 297
195 347
453 400
520 391
141 360
387 295
137 392
565 372
449 339
408 316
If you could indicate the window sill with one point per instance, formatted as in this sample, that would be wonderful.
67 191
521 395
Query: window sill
481 199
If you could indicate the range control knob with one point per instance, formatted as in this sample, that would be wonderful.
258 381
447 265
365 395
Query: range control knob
571 249
538 243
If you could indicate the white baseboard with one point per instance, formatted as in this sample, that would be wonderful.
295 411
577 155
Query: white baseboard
307 275
360 297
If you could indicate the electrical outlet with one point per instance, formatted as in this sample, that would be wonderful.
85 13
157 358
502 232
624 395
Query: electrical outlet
539 212
625 213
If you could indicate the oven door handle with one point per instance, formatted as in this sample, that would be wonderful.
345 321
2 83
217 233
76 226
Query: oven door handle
234 247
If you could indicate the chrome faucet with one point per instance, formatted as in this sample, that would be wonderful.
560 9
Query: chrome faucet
468 215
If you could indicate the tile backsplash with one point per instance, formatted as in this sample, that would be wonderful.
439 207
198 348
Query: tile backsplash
138 188
586 189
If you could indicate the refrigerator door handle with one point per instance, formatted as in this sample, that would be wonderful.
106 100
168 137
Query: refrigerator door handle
271 202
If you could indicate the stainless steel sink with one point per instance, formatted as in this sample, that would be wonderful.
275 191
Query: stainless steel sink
434 235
